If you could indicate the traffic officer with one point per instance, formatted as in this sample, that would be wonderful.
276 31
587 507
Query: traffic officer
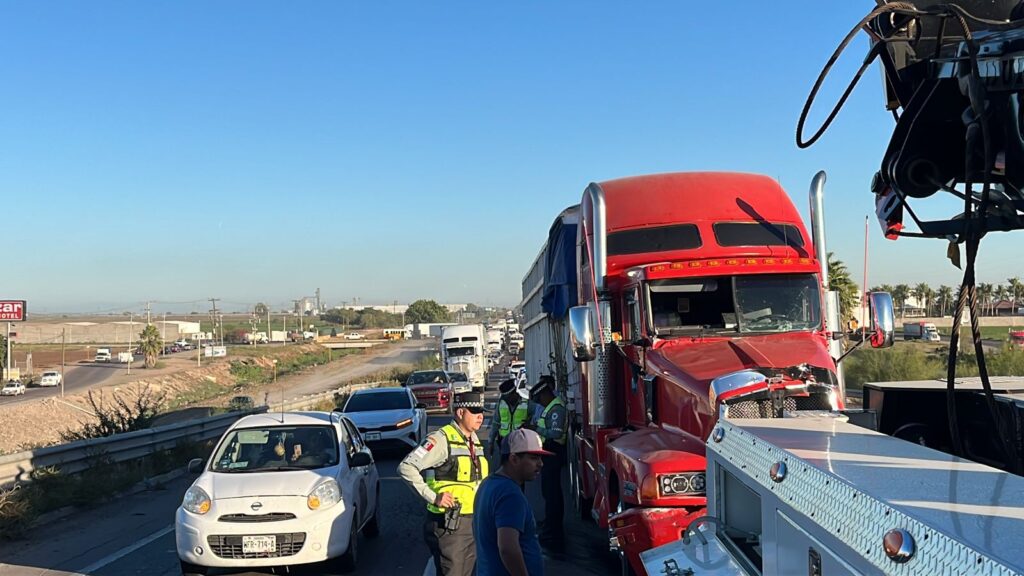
511 413
551 426
445 470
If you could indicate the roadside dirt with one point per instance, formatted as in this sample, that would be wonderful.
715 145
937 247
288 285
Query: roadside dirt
36 424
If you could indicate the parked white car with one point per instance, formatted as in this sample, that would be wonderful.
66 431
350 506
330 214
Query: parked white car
281 489
353 336
50 378
12 388
388 417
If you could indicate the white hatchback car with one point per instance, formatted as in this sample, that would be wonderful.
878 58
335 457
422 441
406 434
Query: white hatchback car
388 417
280 490
12 388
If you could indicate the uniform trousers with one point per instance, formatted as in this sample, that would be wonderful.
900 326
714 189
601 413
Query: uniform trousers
454 552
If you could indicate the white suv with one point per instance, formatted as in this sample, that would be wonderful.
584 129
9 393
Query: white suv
281 489
50 378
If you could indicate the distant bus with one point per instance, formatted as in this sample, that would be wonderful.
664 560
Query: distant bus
396 333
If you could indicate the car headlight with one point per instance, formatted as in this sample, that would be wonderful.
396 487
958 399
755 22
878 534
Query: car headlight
404 423
687 484
196 501
324 495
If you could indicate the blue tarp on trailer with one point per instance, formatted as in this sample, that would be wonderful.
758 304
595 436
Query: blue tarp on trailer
560 266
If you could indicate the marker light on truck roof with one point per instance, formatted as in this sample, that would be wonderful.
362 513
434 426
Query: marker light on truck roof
715 263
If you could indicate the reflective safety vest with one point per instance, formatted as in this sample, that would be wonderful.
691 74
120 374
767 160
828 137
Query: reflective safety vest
509 420
459 474
542 422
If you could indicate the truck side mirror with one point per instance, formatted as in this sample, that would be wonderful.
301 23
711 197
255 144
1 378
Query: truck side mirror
882 327
581 333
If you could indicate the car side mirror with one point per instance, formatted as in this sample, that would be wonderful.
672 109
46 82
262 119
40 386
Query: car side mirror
421 406
581 333
360 459
882 327
195 465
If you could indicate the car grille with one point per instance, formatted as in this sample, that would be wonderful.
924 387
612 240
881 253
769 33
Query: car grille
272 517
231 546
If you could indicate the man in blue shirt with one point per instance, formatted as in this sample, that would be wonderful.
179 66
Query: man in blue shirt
504 527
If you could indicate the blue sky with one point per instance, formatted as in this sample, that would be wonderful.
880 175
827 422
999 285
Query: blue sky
254 151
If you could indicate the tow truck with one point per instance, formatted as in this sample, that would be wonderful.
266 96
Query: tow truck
926 477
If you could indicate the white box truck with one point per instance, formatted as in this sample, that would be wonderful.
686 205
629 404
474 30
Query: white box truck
463 350
920 331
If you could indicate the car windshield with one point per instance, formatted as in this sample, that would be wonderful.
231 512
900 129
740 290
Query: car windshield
45 374
426 377
277 448
378 401
459 377
729 304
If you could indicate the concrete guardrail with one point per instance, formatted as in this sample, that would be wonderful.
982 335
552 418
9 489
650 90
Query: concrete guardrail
77 456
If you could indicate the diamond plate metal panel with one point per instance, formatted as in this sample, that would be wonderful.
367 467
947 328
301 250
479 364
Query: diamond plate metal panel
848 514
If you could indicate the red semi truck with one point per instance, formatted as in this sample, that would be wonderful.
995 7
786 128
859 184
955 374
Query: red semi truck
662 303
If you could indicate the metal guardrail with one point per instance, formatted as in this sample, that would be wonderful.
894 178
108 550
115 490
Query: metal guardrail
77 456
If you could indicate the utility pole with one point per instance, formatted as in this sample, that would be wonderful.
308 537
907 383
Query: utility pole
270 329
163 335
213 315
8 376
63 339
131 328
148 313
318 302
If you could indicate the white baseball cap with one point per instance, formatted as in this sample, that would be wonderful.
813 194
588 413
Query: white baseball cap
523 441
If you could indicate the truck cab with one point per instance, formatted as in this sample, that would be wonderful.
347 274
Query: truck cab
102 355
689 298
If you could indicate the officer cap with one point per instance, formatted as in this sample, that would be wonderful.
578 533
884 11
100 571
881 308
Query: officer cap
545 381
474 401
507 387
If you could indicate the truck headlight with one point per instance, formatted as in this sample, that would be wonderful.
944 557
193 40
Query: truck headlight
686 484
196 501
324 495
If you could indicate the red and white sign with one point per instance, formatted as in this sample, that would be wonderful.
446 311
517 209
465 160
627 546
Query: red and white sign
12 310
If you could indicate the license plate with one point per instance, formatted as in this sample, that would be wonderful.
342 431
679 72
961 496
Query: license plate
259 544
371 436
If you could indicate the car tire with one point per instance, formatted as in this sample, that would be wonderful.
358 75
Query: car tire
192 569
346 563
372 527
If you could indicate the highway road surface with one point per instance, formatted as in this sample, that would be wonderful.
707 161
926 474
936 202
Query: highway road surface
134 535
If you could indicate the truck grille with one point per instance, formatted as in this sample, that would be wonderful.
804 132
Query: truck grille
763 408
231 546
272 517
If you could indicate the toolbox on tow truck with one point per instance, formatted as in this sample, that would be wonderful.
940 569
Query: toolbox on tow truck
818 495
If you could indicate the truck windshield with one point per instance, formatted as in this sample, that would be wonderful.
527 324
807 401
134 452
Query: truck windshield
461 351
730 304
777 303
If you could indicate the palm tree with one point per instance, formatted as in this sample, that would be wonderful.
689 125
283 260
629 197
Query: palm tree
945 298
1016 291
151 344
921 292
849 293
984 296
899 295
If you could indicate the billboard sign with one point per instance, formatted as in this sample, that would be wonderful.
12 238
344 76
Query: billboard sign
215 351
12 310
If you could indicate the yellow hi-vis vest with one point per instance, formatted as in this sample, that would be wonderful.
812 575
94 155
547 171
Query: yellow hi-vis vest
509 420
460 475
542 423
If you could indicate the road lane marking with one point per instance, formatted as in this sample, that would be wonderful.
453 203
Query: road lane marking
123 552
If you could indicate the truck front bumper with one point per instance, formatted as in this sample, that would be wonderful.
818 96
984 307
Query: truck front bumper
638 529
